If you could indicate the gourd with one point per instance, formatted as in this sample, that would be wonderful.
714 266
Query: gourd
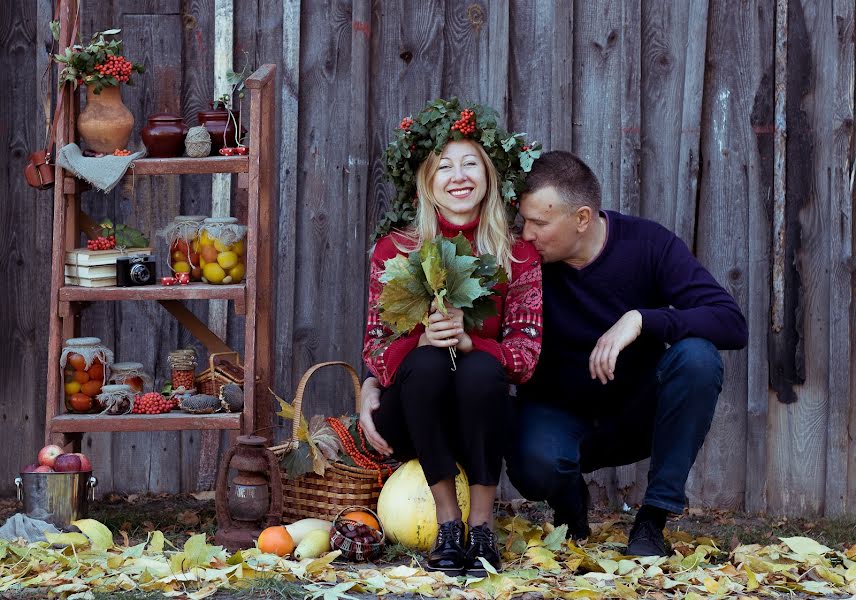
315 544
406 507
299 529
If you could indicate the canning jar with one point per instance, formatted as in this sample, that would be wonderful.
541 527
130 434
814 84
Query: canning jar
116 399
222 250
85 364
183 366
182 235
132 374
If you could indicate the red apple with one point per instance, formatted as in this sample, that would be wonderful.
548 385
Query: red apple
31 468
85 465
48 454
67 463
44 469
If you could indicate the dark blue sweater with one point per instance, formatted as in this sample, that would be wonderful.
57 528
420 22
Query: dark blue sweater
643 266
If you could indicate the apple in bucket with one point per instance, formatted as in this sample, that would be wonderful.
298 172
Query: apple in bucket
44 469
67 463
31 468
48 454
85 465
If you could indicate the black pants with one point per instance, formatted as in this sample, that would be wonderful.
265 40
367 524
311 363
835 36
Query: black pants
442 416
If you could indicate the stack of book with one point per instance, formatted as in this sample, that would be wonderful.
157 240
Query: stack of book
96 268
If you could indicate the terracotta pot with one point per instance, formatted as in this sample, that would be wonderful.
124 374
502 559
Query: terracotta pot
106 123
163 136
217 122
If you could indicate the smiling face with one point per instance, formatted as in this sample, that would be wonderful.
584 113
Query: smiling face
460 182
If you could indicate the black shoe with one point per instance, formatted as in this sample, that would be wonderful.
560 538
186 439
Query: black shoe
575 513
482 542
646 539
447 555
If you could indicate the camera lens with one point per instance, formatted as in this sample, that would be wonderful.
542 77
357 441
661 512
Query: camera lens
139 273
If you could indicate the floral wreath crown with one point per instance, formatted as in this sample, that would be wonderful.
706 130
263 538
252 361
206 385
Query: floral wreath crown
442 121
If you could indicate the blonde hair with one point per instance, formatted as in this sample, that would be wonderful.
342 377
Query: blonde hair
492 235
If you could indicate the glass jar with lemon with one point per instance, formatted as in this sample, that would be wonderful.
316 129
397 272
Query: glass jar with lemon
222 250
85 363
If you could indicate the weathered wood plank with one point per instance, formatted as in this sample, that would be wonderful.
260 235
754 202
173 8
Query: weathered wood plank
542 54
731 166
833 129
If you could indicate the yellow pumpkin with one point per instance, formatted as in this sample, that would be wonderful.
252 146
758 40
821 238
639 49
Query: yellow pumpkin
406 507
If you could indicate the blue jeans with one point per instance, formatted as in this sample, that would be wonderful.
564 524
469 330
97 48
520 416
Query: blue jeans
667 420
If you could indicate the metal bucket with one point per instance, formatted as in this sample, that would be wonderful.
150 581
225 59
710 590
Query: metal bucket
57 498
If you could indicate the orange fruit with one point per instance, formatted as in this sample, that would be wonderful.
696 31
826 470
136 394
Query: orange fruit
363 517
91 388
96 371
80 402
83 376
77 362
276 540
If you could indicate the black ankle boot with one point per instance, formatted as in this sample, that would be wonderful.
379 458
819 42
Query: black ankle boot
447 555
481 542
575 513
646 538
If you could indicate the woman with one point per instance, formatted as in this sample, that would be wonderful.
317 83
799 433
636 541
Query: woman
428 410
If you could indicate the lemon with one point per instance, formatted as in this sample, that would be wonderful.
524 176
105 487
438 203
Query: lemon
181 267
205 239
238 247
71 388
237 273
202 262
213 272
227 260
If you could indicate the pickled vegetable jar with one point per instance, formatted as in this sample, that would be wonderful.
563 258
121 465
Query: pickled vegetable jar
85 364
182 235
132 374
222 250
115 399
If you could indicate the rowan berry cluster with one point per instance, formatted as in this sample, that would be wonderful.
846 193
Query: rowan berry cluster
119 152
152 403
467 123
116 66
102 243
406 123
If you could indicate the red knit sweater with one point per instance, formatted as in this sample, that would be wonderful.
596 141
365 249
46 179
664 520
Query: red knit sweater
513 337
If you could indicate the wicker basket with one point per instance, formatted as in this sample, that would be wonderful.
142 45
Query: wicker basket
341 486
220 371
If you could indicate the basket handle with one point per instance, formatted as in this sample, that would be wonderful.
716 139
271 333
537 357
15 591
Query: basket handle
304 381
214 355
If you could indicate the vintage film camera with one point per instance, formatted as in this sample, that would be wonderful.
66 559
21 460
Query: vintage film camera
135 270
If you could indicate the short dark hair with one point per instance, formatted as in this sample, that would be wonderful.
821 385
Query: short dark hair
574 181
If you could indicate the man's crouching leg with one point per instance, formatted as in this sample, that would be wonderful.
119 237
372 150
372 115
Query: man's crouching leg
543 461
689 379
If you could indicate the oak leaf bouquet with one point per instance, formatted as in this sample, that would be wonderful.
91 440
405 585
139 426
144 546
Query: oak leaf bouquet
444 271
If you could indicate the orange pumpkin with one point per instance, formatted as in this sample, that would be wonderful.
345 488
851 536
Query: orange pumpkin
363 517
276 540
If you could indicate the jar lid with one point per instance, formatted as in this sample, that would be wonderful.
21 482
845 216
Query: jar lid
164 117
189 218
221 220
115 389
83 341
127 366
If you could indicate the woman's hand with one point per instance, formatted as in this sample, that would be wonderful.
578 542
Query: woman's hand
369 402
446 331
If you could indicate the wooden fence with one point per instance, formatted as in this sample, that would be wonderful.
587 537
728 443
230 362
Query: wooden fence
672 103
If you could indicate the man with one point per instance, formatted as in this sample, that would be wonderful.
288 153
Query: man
629 365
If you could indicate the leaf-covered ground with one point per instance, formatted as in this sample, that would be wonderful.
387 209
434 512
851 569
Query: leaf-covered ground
150 547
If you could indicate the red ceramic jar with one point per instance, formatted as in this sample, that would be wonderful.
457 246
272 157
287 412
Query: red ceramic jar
218 123
163 136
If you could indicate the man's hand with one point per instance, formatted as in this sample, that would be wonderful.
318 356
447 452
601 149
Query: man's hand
616 339
369 402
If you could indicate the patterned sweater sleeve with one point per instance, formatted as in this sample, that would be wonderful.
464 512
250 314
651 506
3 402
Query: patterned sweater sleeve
520 339
382 357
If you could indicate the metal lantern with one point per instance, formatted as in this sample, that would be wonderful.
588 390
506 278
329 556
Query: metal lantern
252 500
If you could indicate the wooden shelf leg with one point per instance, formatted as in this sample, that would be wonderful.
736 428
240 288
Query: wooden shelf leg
196 327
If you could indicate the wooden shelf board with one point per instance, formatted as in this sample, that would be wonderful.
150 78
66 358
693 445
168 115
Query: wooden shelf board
192 291
173 421
190 166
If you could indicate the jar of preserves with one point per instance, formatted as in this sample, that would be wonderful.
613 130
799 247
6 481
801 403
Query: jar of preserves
222 250
116 399
183 366
182 235
133 375
85 364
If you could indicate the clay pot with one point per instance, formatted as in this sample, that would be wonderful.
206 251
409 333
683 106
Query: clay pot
106 123
217 122
163 136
